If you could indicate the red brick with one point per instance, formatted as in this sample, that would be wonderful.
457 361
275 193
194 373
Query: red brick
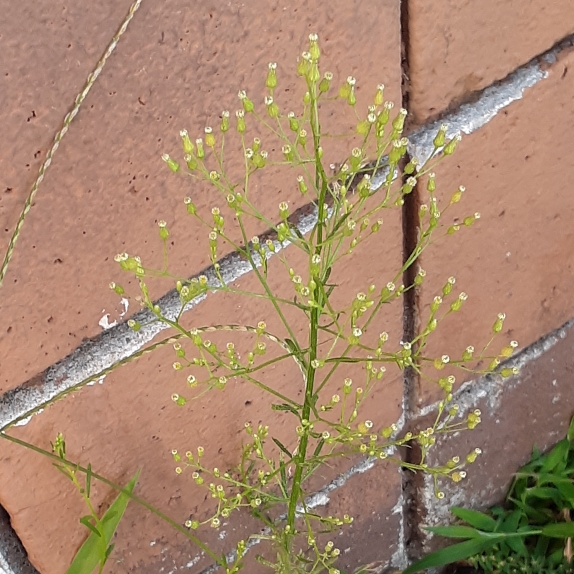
107 187
456 48
517 258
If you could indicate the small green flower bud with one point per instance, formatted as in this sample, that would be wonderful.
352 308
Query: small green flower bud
411 166
419 277
409 185
437 301
200 150
271 81
498 324
509 372
314 47
293 122
440 136
117 288
356 157
240 115
431 184
134 325
246 102
283 210
171 163
272 107
325 83
451 145
399 121
396 152
457 195
379 96
287 152
163 232
468 221
364 187
224 126
191 162
191 209
446 290
187 145
467 355
307 98
347 88
302 185
302 137
209 137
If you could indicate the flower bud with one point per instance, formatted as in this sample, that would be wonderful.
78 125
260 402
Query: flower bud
314 47
240 115
271 81
209 137
431 184
456 196
200 150
171 163
247 103
293 122
451 145
379 95
325 83
440 136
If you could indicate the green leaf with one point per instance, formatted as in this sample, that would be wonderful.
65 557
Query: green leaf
543 493
451 554
474 518
570 434
559 530
89 555
455 531
282 447
89 480
86 521
286 407
319 447
559 454
566 489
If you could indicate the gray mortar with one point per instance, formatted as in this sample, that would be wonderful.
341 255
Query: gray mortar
91 359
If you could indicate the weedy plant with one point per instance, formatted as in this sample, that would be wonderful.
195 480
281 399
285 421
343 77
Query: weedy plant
343 210
531 533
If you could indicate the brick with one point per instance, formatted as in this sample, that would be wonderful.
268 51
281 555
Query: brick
516 259
456 48
107 186
533 408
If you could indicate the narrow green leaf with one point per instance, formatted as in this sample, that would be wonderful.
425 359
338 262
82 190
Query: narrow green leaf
287 408
89 554
559 530
86 521
282 447
89 480
543 493
570 435
566 489
109 550
556 456
474 518
451 554
455 531
319 447
283 474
